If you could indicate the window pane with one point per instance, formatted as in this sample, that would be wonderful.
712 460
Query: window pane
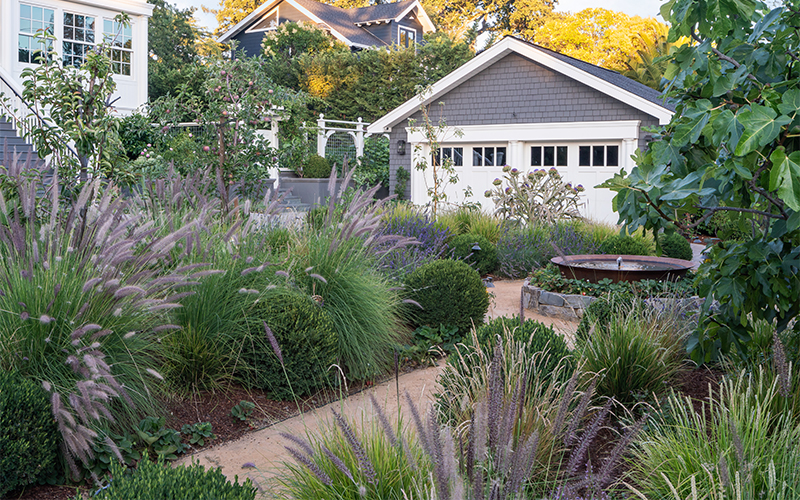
536 156
126 57
36 14
436 157
24 52
69 20
598 156
561 156
50 17
477 157
584 156
403 41
612 156
107 26
549 156
488 157
69 33
25 11
458 157
501 157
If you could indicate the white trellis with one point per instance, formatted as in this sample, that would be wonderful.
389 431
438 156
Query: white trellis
326 129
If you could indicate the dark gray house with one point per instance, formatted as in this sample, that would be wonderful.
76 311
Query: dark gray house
401 23
521 105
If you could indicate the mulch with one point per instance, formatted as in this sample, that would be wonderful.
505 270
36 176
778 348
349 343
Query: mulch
215 407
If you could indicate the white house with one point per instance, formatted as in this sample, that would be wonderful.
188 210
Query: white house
78 25
521 105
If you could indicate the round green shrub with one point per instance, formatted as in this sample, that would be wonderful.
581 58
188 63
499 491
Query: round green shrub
28 433
675 246
483 260
601 311
317 167
450 293
624 245
160 481
307 340
537 336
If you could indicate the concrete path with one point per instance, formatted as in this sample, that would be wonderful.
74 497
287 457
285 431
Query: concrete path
265 448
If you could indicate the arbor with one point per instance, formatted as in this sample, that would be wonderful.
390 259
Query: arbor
733 145
599 36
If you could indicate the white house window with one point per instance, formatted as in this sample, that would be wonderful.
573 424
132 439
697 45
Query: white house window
548 156
78 38
454 154
488 157
120 39
598 156
407 37
31 20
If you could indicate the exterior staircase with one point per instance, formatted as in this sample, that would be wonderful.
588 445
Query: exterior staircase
14 147
290 203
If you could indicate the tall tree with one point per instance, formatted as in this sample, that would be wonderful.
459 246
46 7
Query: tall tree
464 18
172 38
599 36
649 64
231 12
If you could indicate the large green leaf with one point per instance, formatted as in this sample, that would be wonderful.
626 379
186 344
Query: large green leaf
790 102
760 128
785 177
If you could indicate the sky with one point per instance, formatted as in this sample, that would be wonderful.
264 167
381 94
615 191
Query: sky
644 8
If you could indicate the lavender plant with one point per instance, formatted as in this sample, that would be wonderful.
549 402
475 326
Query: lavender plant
431 241
540 196
522 250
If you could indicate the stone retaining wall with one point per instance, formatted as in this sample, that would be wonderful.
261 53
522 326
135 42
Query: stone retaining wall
571 307
554 304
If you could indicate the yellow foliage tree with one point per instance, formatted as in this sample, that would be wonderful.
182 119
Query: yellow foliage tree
460 18
231 12
599 36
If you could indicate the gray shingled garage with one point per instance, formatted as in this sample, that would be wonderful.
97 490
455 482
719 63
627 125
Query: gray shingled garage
521 105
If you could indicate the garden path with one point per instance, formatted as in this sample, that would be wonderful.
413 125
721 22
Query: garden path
265 448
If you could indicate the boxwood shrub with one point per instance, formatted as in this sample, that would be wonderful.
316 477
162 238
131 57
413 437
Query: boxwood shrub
305 335
28 434
675 246
537 336
624 245
450 293
317 167
483 260
160 481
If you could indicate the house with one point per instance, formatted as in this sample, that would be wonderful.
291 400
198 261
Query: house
521 105
78 25
401 23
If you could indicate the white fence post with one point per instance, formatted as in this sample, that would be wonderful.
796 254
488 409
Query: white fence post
359 138
322 137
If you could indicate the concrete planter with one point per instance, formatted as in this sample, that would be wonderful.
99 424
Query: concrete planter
310 191
258 194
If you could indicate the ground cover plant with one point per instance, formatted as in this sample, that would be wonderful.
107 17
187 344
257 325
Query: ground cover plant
549 278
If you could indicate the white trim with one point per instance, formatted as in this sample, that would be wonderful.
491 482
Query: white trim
560 131
506 46
406 28
245 22
277 11
422 16
127 6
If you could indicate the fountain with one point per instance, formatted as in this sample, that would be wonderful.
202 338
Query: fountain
621 267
